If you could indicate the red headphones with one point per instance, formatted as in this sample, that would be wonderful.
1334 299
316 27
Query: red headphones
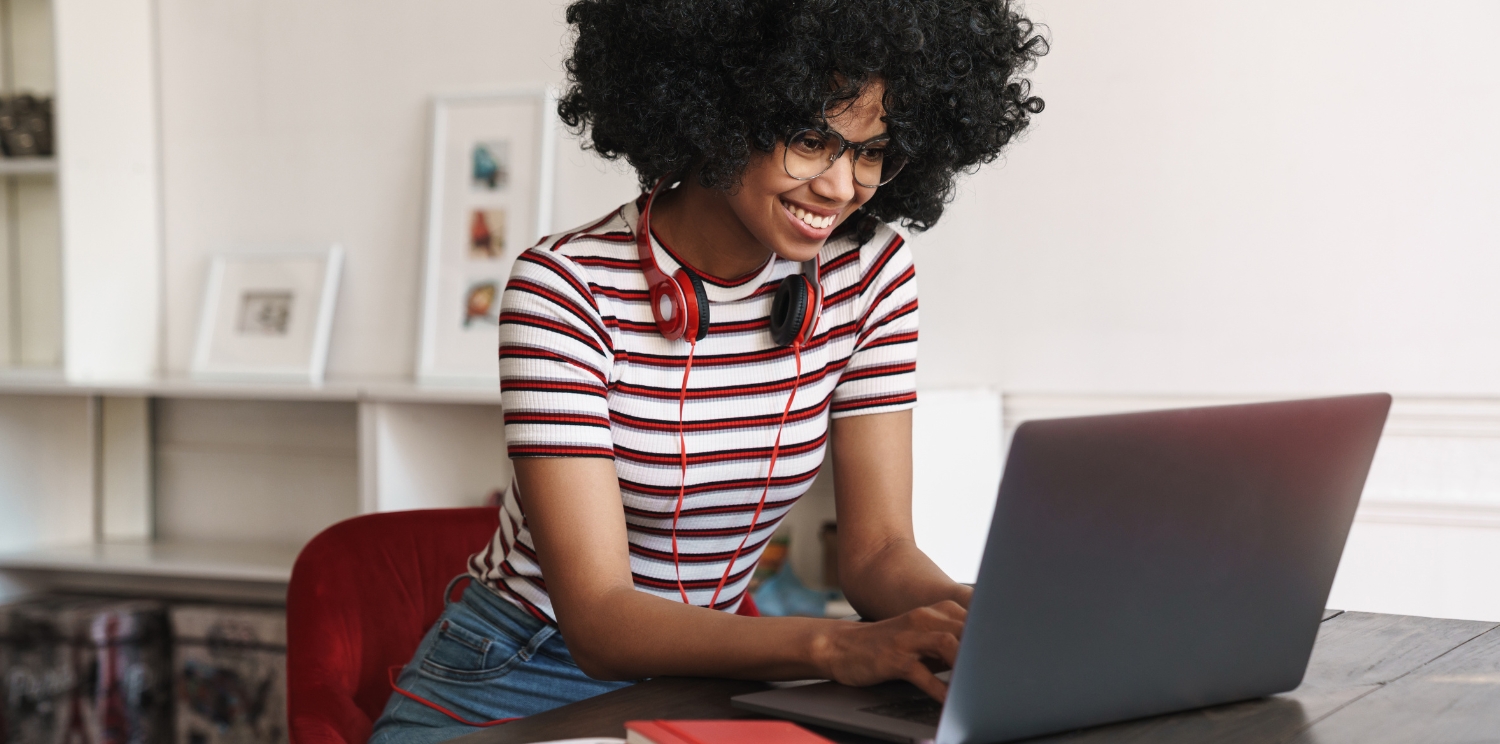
680 304
680 307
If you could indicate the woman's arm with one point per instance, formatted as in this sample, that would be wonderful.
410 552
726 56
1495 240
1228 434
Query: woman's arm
615 632
881 570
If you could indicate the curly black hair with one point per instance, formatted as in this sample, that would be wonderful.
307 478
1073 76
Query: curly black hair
676 84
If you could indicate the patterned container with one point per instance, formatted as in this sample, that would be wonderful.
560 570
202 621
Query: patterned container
230 668
80 670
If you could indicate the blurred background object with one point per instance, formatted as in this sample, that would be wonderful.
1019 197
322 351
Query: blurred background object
26 126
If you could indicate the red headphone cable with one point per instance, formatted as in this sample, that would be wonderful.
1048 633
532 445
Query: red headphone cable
391 673
682 484
775 449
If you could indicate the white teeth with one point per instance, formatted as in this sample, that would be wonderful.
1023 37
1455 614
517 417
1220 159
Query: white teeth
808 218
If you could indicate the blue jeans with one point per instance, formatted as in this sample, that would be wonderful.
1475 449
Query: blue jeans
483 659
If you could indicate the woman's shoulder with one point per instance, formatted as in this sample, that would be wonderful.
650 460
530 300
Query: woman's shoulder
590 253
601 234
884 250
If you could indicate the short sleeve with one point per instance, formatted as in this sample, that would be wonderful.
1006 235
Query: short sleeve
881 374
555 360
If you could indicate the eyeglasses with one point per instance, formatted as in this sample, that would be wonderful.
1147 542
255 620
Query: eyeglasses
811 152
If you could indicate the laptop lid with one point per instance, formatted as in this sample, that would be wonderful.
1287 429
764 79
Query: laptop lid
1144 563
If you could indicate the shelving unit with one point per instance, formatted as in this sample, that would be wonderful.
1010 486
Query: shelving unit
80 231
30 239
112 477
177 486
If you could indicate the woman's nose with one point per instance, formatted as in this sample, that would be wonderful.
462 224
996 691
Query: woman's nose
837 183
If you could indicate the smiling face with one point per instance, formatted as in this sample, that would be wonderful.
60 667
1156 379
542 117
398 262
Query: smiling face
794 218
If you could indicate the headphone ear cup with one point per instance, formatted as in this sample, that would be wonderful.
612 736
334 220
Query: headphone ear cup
697 297
789 309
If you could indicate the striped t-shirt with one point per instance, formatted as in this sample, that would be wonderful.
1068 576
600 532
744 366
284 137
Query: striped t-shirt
585 373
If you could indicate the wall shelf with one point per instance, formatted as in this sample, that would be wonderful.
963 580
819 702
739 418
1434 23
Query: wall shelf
267 563
375 390
28 166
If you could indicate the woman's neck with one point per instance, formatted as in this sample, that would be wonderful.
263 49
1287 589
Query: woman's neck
703 230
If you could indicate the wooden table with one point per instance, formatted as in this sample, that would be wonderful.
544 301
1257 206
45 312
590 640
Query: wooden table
1372 679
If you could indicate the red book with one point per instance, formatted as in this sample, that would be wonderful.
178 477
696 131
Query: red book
719 732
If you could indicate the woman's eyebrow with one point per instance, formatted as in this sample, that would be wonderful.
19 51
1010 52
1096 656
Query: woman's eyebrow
863 141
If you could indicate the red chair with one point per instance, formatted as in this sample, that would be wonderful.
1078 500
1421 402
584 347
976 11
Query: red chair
362 595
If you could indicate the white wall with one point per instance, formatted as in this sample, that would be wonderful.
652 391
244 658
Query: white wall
1248 200
287 123
1263 198
1219 198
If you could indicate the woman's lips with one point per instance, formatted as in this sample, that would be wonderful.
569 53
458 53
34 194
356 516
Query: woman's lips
813 225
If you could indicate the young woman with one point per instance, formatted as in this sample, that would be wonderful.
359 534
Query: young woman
673 371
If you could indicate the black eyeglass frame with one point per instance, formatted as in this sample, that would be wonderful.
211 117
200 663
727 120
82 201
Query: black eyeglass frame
844 146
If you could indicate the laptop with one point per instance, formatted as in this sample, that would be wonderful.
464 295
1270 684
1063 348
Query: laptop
1136 565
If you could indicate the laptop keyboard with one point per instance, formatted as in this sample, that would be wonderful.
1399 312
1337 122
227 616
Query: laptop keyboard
923 710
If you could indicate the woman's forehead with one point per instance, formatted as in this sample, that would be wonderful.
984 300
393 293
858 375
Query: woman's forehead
860 118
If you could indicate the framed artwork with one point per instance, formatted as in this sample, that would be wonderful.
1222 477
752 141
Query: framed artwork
489 195
267 315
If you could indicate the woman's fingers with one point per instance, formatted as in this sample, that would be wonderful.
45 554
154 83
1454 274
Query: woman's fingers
941 646
927 682
948 616
909 647
938 642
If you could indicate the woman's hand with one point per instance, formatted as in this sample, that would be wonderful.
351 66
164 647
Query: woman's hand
910 646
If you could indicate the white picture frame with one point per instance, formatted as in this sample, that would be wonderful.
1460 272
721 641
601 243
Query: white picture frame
267 315
489 197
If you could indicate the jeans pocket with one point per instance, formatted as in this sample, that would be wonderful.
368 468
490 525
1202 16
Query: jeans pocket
466 650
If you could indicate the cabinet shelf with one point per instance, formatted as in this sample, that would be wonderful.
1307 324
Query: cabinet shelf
27 166
383 390
250 562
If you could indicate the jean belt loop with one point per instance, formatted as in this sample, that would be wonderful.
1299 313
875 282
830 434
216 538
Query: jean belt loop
448 592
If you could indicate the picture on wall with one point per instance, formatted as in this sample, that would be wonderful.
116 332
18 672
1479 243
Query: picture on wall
491 165
489 198
268 315
487 234
482 304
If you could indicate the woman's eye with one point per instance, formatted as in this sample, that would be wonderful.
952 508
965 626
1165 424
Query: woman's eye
873 155
809 144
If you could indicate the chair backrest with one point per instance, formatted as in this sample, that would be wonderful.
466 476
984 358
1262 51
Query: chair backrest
362 594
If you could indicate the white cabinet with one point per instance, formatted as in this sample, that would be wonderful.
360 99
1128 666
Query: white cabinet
183 488
81 230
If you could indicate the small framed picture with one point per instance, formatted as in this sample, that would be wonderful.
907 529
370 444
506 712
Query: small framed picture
489 195
268 315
